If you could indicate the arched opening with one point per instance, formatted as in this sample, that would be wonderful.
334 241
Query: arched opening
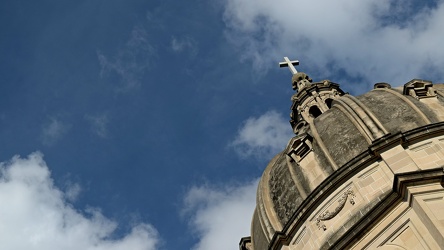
314 111
329 102
300 126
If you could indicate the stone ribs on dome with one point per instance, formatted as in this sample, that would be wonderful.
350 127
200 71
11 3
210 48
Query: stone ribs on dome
361 172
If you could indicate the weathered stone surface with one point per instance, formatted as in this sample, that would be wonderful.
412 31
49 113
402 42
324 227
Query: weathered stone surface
340 136
425 109
395 114
283 191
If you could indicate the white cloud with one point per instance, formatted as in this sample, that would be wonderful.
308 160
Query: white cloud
99 124
263 136
221 216
35 215
391 41
53 131
130 62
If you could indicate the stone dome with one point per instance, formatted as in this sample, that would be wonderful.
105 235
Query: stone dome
335 131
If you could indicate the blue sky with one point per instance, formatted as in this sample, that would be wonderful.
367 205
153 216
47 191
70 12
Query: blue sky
146 124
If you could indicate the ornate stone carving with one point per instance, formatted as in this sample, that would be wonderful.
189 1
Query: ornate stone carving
300 80
419 89
299 146
327 215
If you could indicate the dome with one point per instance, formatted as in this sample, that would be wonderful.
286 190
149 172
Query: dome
337 137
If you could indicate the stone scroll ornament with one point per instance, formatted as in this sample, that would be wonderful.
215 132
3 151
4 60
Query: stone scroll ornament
327 215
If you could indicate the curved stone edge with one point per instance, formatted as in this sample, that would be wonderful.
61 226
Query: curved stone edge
327 187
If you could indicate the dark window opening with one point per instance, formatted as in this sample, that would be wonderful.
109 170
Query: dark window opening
419 84
329 102
299 126
301 151
314 111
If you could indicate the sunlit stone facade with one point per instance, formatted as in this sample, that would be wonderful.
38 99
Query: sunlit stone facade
362 172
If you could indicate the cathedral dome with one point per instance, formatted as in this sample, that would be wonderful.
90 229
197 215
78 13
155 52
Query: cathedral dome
337 132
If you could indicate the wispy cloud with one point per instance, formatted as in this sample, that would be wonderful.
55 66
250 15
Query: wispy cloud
130 62
369 40
35 214
220 216
53 131
72 191
99 124
262 136
184 44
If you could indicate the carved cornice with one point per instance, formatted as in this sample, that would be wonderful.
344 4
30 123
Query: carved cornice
344 173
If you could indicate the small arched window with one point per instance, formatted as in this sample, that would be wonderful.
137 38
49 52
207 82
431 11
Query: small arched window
299 126
329 102
314 111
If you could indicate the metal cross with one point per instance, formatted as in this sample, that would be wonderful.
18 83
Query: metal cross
289 64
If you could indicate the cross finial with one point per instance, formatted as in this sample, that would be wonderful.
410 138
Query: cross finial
290 65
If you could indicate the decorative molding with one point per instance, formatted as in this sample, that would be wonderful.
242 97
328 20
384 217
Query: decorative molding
299 146
327 215
422 146
419 89
301 235
351 168
369 172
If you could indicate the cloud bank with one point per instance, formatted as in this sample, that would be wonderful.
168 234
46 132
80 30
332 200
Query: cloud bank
221 216
262 136
34 214
370 41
